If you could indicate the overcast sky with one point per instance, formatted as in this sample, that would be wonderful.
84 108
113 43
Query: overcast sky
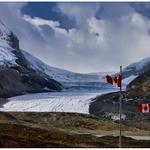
81 37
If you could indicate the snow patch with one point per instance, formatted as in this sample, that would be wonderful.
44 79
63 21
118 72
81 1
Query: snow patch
115 116
138 65
7 58
129 79
4 33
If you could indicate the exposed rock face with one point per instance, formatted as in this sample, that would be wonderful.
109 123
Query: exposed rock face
140 87
13 41
107 106
12 82
16 75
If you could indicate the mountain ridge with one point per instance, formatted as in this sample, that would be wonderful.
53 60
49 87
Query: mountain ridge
17 77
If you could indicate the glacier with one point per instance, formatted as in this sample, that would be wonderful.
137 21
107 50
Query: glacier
53 102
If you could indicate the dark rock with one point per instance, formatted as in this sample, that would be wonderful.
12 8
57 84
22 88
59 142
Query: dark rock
109 103
140 87
3 101
12 83
13 41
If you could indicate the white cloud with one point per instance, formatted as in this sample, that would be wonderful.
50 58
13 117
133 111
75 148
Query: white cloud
121 37
79 11
39 22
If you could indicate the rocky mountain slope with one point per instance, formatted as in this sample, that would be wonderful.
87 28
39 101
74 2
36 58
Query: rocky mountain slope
140 87
16 75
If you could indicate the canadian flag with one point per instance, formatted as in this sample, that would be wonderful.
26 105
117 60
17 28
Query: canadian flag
144 108
114 80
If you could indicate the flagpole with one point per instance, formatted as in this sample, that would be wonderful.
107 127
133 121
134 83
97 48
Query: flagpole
120 111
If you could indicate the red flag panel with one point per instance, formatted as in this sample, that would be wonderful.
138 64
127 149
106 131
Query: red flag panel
139 107
109 79
114 80
144 108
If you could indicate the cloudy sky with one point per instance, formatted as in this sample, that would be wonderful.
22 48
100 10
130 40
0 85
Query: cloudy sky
81 37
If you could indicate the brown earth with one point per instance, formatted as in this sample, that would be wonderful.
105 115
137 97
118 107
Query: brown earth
24 130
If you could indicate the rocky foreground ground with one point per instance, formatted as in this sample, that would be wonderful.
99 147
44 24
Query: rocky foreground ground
32 129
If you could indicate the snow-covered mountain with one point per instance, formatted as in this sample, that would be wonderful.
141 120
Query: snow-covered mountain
137 68
4 35
134 70
60 74
90 80
16 75
7 58
67 78
10 53
73 80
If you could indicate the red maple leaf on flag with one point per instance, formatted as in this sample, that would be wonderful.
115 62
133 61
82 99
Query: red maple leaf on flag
144 108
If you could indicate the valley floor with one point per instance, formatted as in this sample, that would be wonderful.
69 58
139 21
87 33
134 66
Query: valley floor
37 129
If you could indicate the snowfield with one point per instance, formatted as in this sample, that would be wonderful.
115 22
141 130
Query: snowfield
61 75
53 102
139 65
4 32
7 58
128 80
